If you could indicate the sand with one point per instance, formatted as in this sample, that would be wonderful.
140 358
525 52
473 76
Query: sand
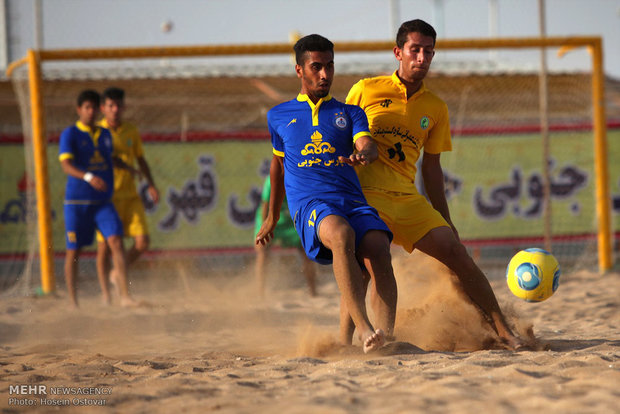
209 344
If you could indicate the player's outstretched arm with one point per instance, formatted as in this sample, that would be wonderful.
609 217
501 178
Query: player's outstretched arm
432 174
366 152
276 173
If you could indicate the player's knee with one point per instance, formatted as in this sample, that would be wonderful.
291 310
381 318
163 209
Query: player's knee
340 236
115 243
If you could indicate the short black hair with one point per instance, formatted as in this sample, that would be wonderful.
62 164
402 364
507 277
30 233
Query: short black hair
88 95
311 43
114 93
414 26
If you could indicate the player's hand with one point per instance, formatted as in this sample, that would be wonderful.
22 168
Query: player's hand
265 234
98 184
358 158
153 193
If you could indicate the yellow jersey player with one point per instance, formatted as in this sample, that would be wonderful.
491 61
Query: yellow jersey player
404 119
127 146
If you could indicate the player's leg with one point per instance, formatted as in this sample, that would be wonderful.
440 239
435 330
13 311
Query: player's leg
309 270
347 327
262 252
119 269
103 267
140 245
337 235
71 263
441 244
374 251
110 225
79 232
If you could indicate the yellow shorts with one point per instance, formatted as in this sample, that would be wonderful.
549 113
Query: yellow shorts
409 216
131 212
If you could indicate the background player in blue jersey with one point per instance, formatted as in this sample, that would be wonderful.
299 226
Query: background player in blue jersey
86 158
313 137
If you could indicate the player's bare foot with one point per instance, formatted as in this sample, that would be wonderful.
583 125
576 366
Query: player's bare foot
129 302
374 340
515 343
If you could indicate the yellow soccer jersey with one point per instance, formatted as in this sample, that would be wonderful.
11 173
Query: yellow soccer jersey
401 127
127 145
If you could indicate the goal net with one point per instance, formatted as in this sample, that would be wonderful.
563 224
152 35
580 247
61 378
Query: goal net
203 125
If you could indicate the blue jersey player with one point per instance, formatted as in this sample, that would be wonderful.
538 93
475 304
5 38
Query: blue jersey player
313 137
86 157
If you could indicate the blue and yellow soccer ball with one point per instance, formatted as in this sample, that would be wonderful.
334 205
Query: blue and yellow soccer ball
533 275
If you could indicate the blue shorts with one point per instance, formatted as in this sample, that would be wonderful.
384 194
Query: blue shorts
81 220
307 217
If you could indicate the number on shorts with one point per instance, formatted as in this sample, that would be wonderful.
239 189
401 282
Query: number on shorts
312 218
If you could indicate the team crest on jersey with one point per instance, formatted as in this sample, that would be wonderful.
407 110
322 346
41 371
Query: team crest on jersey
340 121
424 122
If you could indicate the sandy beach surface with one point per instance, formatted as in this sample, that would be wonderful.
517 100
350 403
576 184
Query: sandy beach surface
208 343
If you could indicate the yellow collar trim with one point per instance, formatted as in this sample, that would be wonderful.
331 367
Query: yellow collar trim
94 134
302 97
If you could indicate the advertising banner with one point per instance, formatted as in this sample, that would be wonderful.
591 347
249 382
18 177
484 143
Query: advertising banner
210 190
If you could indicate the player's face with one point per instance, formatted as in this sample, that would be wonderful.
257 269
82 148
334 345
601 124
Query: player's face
87 112
415 57
112 111
316 74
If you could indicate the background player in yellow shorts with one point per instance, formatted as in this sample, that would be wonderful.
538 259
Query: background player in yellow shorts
405 117
127 146
286 235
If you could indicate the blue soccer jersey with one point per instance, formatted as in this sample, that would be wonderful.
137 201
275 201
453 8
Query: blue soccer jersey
89 151
311 138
